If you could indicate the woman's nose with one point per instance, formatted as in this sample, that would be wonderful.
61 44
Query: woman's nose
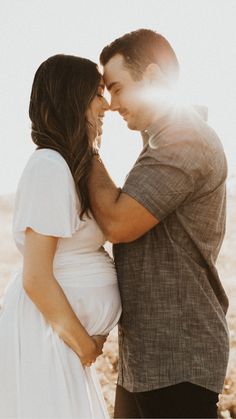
105 105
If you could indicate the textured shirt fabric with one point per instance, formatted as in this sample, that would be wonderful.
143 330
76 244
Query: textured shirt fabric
173 326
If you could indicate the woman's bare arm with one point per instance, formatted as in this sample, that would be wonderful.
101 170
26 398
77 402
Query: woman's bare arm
46 293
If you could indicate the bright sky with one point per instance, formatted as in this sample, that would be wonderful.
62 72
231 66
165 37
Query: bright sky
202 32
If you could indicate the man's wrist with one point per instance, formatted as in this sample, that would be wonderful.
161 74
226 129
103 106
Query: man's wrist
95 151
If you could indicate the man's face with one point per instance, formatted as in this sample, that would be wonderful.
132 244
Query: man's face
127 94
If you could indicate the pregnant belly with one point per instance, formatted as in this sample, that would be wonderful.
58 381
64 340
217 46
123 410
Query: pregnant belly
98 308
85 270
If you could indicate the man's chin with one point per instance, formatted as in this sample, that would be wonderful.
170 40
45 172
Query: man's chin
132 126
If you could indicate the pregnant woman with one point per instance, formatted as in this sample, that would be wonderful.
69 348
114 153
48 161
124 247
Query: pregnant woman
59 308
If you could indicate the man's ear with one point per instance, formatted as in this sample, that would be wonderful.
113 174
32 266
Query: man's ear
153 73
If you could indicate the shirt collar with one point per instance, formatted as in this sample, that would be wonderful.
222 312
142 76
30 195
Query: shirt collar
157 126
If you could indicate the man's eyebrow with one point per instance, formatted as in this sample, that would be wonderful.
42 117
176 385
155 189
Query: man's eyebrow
109 87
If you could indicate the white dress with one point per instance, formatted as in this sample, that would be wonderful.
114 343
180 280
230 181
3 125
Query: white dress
40 376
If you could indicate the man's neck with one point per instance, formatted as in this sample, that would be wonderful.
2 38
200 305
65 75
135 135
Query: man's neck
155 123
145 137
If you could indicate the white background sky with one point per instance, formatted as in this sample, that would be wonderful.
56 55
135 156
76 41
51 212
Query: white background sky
202 33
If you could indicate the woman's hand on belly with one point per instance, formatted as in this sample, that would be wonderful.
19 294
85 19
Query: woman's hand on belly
88 358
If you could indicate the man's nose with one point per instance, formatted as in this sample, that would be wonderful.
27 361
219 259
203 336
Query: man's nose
114 105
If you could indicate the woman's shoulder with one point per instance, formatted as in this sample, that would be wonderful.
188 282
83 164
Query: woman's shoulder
48 160
46 166
47 154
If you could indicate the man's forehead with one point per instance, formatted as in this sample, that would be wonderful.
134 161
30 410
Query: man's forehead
116 61
114 70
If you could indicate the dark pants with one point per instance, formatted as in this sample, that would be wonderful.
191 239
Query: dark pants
184 400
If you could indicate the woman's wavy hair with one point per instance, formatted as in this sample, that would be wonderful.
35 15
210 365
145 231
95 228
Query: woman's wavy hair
62 90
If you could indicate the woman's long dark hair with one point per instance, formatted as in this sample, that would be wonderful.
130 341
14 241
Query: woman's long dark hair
62 90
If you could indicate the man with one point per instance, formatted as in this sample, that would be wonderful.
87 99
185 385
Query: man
167 224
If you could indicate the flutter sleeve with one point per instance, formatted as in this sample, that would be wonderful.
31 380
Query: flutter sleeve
46 200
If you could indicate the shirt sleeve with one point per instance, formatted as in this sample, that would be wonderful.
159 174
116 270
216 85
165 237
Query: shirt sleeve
46 200
161 179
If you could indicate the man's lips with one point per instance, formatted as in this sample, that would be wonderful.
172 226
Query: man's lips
124 115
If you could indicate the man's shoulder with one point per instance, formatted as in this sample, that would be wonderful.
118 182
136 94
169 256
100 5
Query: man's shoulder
186 138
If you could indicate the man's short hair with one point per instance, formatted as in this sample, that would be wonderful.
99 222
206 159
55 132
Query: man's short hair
141 48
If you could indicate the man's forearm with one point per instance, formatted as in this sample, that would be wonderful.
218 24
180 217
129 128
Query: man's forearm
121 217
103 194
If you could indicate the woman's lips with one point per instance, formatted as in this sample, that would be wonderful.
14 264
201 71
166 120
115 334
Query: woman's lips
100 120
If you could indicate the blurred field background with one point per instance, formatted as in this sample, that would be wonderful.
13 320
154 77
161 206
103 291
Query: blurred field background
107 364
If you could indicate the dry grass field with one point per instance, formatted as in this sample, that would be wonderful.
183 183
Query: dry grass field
107 364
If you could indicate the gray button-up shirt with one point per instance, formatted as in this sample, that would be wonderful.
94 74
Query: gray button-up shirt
173 326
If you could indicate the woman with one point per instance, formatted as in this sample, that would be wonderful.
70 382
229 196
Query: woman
58 310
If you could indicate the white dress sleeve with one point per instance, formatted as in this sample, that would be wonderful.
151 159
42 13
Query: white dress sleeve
46 200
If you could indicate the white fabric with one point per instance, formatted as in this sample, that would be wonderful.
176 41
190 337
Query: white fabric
46 198
40 376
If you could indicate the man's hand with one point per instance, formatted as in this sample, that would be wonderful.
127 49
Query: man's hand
97 142
90 357
121 217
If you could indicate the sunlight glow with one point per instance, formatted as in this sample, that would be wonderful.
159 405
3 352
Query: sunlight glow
202 33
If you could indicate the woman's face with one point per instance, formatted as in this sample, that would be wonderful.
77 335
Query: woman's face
96 111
